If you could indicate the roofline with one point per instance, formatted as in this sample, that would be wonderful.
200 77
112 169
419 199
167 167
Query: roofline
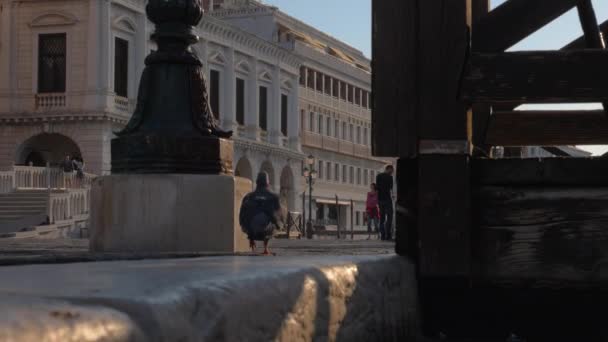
358 54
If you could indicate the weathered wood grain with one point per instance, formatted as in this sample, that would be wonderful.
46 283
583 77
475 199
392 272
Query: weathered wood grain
550 172
515 20
537 76
542 233
394 78
547 128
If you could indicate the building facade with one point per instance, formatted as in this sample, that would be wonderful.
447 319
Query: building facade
69 72
334 107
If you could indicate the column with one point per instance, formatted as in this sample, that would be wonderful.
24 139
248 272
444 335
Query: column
204 47
229 104
252 112
105 53
295 121
5 54
92 100
305 77
274 119
141 50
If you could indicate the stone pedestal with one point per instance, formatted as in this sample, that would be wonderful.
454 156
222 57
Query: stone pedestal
135 213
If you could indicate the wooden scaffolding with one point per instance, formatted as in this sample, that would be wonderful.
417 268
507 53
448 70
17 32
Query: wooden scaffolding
500 244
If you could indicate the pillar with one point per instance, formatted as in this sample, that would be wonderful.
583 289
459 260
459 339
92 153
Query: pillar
204 46
105 53
6 54
229 104
252 113
274 119
294 125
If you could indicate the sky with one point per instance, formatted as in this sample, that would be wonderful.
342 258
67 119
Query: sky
350 21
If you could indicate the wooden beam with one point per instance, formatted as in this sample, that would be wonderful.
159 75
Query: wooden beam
593 36
537 76
394 78
548 128
515 20
580 42
573 172
444 209
481 111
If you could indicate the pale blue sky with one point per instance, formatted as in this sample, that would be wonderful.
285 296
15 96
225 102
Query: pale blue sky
350 21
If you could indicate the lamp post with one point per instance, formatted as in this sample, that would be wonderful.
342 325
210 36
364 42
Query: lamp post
310 174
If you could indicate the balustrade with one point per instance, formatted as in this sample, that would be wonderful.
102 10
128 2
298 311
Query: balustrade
50 101
69 205
7 182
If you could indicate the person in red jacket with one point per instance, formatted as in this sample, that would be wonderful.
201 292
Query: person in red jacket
373 211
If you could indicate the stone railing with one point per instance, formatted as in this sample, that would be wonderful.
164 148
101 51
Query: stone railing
124 105
69 205
7 181
30 177
50 101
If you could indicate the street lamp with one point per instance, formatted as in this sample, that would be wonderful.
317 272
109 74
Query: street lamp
310 174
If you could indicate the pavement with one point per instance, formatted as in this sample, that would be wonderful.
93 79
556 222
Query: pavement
49 251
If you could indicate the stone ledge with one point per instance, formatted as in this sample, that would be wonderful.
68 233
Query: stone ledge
212 299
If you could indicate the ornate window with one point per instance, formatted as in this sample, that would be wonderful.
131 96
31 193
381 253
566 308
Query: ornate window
284 116
121 67
51 63
214 93
264 108
240 101
337 172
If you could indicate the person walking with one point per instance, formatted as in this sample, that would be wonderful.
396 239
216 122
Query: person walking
373 212
260 212
384 185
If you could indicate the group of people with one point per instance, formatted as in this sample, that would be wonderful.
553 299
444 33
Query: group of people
261 210
379 206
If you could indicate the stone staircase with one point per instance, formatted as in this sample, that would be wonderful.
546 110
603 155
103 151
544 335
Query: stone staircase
22 210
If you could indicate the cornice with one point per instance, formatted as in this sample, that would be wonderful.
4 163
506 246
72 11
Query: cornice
29 118
235 35
267 148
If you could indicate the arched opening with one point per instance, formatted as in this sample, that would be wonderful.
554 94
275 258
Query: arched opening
243 169
46 147
287 191
267 167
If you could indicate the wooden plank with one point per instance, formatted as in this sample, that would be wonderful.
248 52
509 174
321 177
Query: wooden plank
563 172
537 76
394 78
548 128
515 20
543 234
577 44
580 42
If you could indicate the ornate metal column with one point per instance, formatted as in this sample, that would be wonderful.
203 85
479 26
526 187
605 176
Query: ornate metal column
173 129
